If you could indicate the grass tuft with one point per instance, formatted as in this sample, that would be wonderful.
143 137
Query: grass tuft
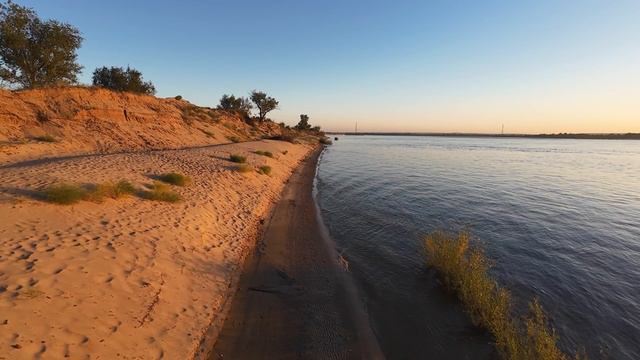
45 138
464 270
175 179
265 170
285 152
234 139
110 190
64 194
161 192
244 168
264 153
237 158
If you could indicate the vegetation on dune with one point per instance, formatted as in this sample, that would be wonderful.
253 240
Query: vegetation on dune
111 190
464 270
240 105
263 103
161 192
264 170
64 194
35 52
264 153
236 158
45 138
244 168
175 179
233 139
120 79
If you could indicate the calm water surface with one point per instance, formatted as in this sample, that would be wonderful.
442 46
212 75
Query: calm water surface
560 218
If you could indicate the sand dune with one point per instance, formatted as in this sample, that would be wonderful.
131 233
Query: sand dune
129 278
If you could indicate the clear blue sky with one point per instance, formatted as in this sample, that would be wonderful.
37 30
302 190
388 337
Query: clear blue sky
535 66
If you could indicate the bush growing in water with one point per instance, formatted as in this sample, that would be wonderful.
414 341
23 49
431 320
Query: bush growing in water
175 179
464 270
237 158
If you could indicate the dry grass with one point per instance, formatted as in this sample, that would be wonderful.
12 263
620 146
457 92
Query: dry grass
464 270
64 194
234 139
161 192
237 158
244 168
264 153
45 138
110 190
265 170
174 178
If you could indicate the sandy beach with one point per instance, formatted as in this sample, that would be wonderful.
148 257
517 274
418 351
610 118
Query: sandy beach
130 278
295 299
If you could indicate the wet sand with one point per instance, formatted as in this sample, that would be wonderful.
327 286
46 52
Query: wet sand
294 299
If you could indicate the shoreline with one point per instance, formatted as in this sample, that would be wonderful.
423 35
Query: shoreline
293 298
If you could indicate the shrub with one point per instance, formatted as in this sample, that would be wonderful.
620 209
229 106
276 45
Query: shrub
464 270
42 116
45 138
325 141
234 139
244 168
237 158
111 190
265 170
64 194
161 192
208 133
175 179
179 97
264 153
285 152
120 79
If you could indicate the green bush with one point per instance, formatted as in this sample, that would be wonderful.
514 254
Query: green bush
264 153
179 97
265 170
175 179
161 192
64 194
237 158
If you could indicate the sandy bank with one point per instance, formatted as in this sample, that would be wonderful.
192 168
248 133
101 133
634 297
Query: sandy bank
129 278
294 300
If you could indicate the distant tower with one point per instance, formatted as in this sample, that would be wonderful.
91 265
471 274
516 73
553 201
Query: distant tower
356 127
502 129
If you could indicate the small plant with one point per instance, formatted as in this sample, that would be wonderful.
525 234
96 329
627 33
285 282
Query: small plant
110 190
264 153
179 97
208 133
45 138
64 194
265 170
234 139
325 141
244 168
161 192
42 116
237 158
285 152
175 179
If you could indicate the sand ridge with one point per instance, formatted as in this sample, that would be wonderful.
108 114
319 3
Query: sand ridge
129 278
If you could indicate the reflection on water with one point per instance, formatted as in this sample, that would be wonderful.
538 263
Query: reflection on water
559 217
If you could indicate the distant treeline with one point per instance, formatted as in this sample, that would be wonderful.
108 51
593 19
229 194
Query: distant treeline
625 136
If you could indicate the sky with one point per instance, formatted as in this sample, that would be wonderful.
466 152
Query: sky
419 66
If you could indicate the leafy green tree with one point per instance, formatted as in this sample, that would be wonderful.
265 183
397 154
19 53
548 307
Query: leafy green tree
232 103
263 103
34 52
120 79
303 124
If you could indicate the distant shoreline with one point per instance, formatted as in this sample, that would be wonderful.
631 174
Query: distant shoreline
612 136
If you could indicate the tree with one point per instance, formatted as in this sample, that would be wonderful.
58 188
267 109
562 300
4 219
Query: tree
34 52
264 103
232 103
119 79
303 124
